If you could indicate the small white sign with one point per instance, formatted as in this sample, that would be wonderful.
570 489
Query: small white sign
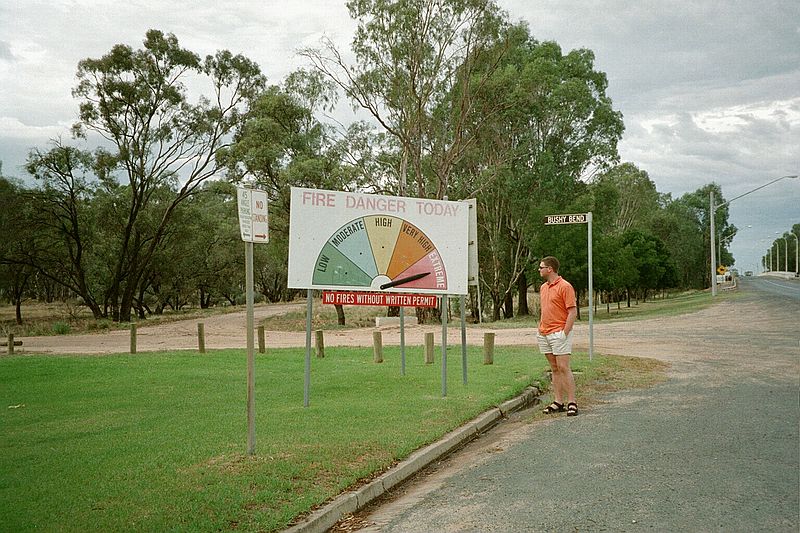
253 217
578 218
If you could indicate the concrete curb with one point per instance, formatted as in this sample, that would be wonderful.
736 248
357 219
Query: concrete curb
349 502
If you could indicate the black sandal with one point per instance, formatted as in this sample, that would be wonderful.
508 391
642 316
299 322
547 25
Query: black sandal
554 407
572 409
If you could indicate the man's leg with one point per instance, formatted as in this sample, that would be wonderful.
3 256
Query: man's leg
558 385
565 376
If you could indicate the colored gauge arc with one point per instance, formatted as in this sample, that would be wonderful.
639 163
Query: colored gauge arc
377 250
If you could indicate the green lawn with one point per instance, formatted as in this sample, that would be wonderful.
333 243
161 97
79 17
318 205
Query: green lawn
156 442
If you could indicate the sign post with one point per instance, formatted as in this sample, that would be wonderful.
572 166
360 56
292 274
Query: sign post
254 227
581 218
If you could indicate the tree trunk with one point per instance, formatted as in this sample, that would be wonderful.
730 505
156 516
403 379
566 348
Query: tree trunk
426 315
339 314
522 289
475 312
508 305
18 310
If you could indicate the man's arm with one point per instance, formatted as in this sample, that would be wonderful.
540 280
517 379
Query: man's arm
572 314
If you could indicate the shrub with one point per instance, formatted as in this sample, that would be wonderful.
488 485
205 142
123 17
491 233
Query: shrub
61 328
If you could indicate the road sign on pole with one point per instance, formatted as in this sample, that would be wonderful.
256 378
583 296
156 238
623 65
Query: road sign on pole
581 218
254 227
253 217
577 218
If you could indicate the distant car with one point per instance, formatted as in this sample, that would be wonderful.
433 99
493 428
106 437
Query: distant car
748 272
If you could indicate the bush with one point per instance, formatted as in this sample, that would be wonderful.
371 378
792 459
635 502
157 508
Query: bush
61 328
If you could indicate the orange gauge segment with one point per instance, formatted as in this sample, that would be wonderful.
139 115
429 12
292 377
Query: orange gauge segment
412 245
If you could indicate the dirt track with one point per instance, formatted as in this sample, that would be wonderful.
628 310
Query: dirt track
229 331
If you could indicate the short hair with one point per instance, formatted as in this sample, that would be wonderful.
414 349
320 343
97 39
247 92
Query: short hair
550 261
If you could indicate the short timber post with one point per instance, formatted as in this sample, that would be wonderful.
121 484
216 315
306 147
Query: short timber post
488 348
201 337
261 340
319 343
377 342
429 348
133 337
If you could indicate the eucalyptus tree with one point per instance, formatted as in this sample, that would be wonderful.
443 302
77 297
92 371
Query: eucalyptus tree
628 198
410 55
201 262
556 129
683 225
17 245
68 234
282 144
138 102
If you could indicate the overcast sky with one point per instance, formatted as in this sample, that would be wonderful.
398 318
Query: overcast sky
709 90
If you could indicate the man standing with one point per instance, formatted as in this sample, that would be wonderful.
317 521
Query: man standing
559 310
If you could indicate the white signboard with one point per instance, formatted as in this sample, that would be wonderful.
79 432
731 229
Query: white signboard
341 240
253 218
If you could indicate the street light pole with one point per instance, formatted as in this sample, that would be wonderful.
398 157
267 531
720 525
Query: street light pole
796 246
785 254
712 209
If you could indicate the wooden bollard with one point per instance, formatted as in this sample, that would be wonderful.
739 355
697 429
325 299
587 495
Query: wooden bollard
488 348
429 348
133 338
201 337
10 344
377 344
319 343
262 345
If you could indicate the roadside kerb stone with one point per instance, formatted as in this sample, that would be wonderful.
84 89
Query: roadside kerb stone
349 502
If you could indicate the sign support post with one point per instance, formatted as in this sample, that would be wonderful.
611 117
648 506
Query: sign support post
463 340
591 288
402 342
251 362
444 345
307 381
581 218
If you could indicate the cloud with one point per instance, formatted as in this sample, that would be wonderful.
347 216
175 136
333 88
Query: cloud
5 52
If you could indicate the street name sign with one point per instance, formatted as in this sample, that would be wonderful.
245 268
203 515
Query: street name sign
578 218
253 217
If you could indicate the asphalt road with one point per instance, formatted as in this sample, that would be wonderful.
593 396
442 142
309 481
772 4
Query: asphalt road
715 448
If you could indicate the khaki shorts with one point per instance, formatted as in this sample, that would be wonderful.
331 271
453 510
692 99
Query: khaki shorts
555 343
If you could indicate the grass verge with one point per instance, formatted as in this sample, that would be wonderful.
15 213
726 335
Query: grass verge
156 442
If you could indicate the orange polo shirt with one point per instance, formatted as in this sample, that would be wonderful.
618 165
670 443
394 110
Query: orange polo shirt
556 298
